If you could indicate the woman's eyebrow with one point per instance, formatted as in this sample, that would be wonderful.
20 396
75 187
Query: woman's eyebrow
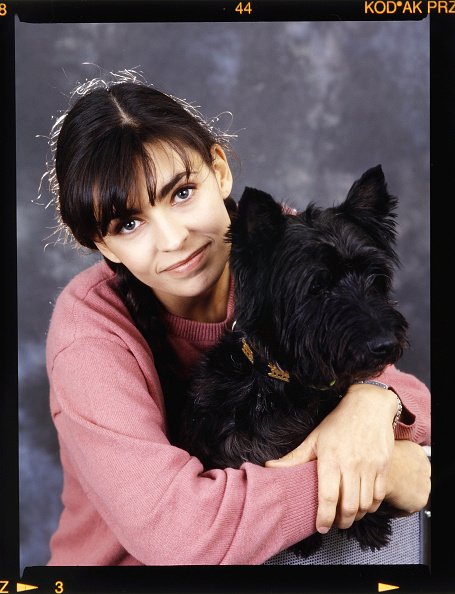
171 183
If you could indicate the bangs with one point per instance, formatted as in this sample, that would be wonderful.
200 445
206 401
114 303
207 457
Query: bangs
102 158
121 166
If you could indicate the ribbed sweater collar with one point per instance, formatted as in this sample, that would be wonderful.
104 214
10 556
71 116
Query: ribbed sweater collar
201 332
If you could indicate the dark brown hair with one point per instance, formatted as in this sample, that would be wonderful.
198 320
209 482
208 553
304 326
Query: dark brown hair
98 146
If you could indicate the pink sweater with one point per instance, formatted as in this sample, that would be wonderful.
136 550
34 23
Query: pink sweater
131 498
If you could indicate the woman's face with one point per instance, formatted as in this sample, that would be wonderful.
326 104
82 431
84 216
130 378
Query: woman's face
176 246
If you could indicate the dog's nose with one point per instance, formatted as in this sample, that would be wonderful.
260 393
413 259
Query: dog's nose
381 346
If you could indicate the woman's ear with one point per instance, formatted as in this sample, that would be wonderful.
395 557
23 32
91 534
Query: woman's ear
221 170
107 253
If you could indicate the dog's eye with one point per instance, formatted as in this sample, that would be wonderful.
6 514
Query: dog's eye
315 287
381 283
319 283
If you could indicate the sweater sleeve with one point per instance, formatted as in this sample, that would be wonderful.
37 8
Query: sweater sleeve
415 396
156 499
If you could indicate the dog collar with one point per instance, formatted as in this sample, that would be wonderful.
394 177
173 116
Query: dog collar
272 369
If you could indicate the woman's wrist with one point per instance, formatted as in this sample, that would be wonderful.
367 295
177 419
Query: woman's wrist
380 398
399 404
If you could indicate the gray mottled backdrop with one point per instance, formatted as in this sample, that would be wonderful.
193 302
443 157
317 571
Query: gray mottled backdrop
314 105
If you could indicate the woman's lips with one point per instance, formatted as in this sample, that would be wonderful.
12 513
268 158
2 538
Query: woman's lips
190 263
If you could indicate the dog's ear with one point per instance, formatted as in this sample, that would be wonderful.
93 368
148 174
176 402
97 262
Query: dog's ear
369 204
258 222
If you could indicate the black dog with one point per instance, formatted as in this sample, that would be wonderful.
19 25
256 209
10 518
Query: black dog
313 314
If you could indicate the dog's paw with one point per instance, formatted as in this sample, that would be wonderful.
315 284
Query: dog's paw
373 531
307 547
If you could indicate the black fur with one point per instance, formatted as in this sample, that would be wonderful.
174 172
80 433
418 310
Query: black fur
312 295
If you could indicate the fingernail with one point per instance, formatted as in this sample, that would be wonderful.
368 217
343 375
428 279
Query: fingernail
323 530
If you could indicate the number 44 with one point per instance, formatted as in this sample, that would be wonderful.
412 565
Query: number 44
241 8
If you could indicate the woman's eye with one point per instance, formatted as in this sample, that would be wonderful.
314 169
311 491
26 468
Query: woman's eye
128 226
183 194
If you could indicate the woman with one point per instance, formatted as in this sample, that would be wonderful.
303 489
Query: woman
142 178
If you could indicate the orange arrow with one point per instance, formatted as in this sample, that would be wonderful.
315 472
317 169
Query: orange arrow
385 587
22 587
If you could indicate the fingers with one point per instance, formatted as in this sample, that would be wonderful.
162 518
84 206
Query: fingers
329 479
329 490
346 499
349 485
350 501
372 493
344 495
301 455
380 490
359 494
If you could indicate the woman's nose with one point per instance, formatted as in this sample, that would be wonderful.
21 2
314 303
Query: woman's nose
170 232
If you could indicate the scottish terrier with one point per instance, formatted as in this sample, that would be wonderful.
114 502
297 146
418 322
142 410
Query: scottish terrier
313 315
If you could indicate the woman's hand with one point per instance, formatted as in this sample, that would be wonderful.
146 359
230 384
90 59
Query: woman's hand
409 477
353 446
